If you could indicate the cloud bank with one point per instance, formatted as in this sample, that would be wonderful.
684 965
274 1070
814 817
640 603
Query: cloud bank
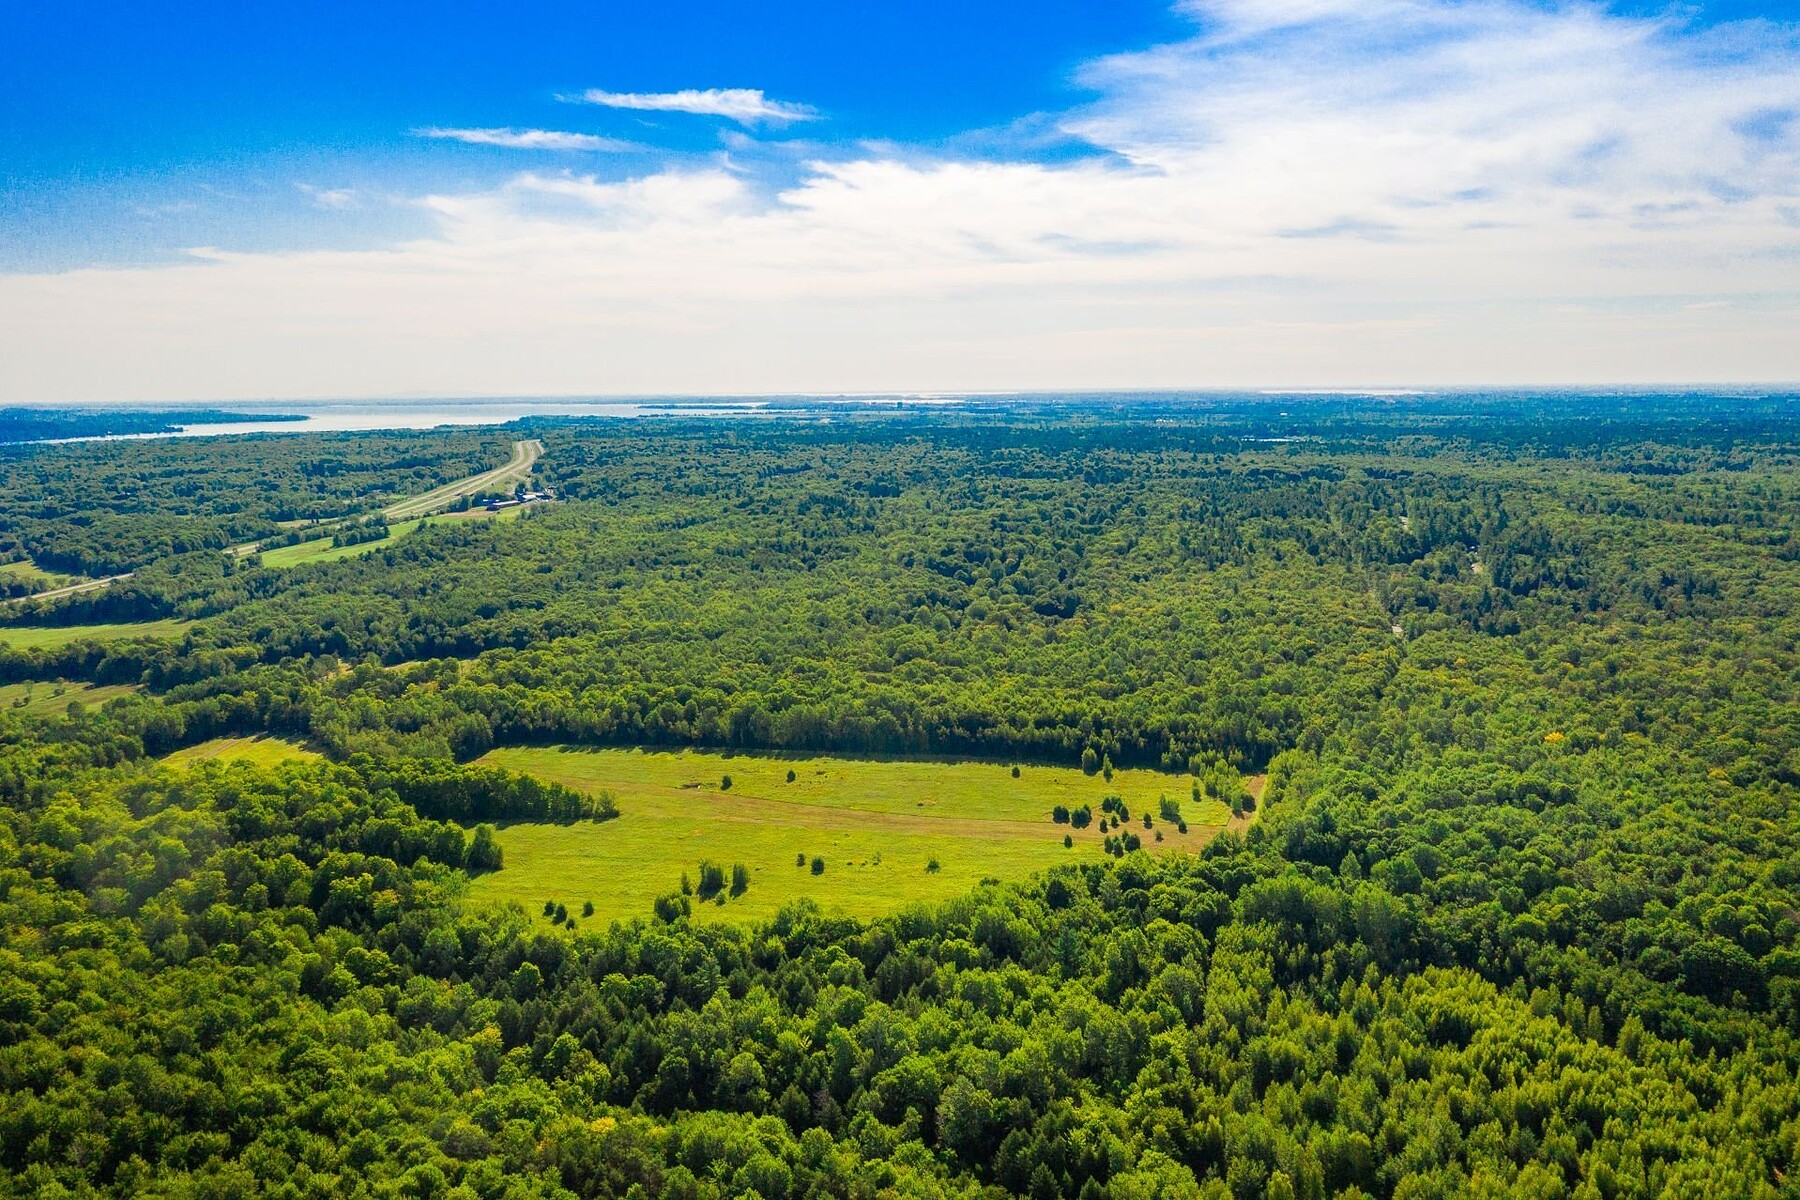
1303 193
747 106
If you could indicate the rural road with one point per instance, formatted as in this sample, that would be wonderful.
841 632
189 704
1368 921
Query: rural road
525 454
74 588
517 469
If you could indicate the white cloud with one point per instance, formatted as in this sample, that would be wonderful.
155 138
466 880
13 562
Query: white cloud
329 197
527 139
1303 193
747 106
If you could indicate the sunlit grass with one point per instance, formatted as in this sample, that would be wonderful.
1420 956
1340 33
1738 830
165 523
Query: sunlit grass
878 824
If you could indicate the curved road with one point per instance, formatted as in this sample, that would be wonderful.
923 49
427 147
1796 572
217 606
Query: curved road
517 469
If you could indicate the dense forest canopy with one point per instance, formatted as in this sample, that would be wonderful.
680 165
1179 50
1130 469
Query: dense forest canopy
101 508
1519 913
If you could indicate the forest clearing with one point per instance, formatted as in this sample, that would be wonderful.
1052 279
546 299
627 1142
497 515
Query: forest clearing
877 824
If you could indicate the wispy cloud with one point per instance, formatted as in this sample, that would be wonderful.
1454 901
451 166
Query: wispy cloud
328 197
746 106
527 139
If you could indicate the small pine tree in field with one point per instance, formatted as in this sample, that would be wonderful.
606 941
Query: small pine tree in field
1068 841
740 878
587 910
931 867
818 865
1015 772
790 776
725 784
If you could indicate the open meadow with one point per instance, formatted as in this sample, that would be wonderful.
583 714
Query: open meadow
325 549
54 637
30 573
876 825
55 696
263 751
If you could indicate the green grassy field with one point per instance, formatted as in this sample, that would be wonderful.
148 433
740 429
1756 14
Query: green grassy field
877 823
27 637
56 695
321 549
28 572
263 751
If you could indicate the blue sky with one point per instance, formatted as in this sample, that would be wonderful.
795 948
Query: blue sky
131 131
593 198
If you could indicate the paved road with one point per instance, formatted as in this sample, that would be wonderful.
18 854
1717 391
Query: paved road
75 588
517 469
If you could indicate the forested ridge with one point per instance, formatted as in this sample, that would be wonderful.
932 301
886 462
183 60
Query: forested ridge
1518 916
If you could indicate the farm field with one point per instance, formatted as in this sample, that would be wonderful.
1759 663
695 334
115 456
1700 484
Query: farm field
321 549
55 696
263 751
51 637
877 824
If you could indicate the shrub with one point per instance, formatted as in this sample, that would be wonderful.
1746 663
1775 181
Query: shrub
800 859
587 910
725 784
1147 822
549 907
712 879
1132 842
790 775
1082 817
740 878
1068 841
1015 772
931 867
818 865
1090 761
1060 814
1169 809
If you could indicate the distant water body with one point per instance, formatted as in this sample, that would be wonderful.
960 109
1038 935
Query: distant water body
333 416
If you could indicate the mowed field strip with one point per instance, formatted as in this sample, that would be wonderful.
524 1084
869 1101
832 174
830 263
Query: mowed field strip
323 549
876 823
50 637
